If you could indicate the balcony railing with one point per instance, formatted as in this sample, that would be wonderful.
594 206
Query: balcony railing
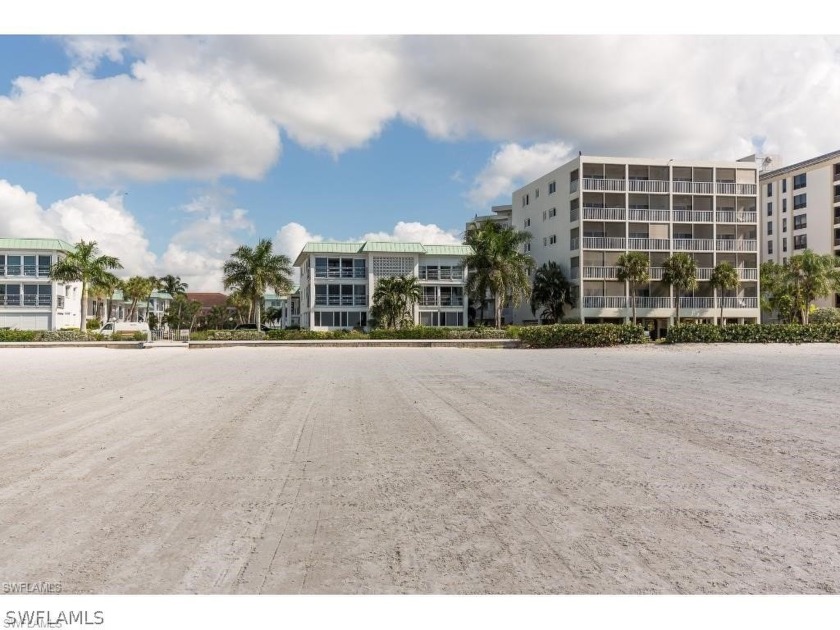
697 188
653 302
738 302
693 244
656 273
649 244
431 300
574 244
697 302
574 214
604 214
704 273
603 242
26 300
747 273
643 214
600 273
648 185
334 272
837 242
340 300
606 185
604 301
736 245
693 216
731 188
731 216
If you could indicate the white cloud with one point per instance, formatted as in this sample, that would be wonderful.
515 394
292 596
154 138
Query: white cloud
415 232
203 107
513 165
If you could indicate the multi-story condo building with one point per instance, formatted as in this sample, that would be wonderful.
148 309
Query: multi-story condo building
29 299
587 213
337 281
800 209
501 215
117 307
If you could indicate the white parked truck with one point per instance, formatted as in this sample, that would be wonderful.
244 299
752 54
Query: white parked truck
124 329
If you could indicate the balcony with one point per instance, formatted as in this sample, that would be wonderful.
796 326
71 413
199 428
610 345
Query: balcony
604 214
574 215
656 244
647 185
693 244
335 272
693 216
597 184
37 301
653 302
642 214
444 300
603 242
604 301
340 300
746 273
696 188
731 216
697 302
656 273
704 273
574 244
731 188
738 302
573 186
600 273
736 245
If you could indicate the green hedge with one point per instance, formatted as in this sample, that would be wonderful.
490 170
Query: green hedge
438 332
18 335
580 335
227 335
296 334
754 333
55 335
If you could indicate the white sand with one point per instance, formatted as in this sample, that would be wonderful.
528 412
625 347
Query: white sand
294 470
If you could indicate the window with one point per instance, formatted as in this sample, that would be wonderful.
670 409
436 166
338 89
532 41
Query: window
552 188
784 225
10 294
359 268
552 213
770 190
536 193
784 244
527 223
37 295
769 247
784 205
769 228
800 242
800 222
525 200
800 201
545 241
12 265
527 247
784 185
2 265
800 181
544 215
769 208
340 319
552 239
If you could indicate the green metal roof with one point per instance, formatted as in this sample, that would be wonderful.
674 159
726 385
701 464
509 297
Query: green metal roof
161 295
393 247
331 248
36 244
448 250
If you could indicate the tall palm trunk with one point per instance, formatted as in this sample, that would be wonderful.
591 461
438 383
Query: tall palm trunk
633 294
257 313
83 323
497 307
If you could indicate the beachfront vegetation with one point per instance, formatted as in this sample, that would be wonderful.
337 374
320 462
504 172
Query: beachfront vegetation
754 333
394 300
790 289
724 278
498 266
251 271
680 273
172 285
633 268
579 335
138 288
551 292
86 265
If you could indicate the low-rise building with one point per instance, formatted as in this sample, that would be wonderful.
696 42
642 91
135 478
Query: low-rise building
337 281
29 298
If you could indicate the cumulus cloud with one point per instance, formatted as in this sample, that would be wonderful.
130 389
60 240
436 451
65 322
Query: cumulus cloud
87 217
415 232
513 165
204 107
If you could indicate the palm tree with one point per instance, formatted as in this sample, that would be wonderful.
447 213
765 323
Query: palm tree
551 291
724 278
814 276
172 285
254 270
272 314
241 306
394 299
634 268
497 265
135 289
216 317
680 272
85 265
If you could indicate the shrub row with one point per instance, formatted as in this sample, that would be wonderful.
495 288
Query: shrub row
754 333
580 335
435 332
293 334
61 335
227 335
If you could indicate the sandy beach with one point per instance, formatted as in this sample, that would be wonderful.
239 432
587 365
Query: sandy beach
694 469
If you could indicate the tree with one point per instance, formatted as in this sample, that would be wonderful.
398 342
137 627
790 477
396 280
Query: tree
777 291
724 278
680 272
182 313
791 288
254 270
497 265
137 288
551 291
172 285
394 299
241 306
633 268
272 315
216 317
85 265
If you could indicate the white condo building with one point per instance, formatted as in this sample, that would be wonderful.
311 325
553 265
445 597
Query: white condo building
29 299
588 212
337 281
800 209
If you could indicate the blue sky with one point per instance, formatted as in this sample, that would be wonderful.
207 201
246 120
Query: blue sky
170 151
